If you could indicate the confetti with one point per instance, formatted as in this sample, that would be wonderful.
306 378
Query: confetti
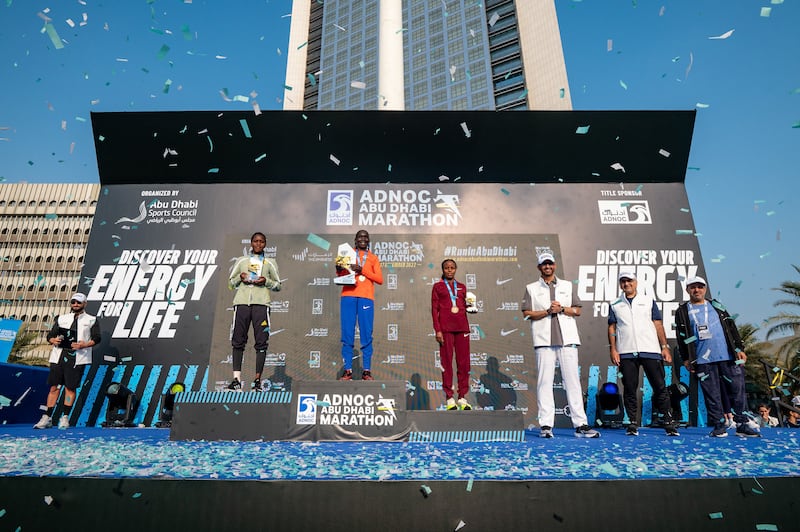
53 34
724 35
318 241
582 130
765 11
245 128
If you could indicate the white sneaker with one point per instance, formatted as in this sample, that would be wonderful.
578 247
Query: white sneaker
45 423
464 405
451 404
63 422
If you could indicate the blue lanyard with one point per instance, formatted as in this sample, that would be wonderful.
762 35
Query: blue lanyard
453 292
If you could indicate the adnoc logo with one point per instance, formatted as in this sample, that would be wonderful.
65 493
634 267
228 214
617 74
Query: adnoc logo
340 207
307 409
624 212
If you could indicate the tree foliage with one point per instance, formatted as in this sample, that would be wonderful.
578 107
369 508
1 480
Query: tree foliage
787 323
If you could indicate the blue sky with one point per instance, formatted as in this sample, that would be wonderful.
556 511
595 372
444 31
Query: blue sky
150 55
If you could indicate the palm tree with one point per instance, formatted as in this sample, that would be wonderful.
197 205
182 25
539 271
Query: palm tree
757 351
788 323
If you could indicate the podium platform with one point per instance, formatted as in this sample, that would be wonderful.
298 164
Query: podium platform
333 411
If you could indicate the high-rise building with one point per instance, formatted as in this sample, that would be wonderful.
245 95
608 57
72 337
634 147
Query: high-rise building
44 229
425 55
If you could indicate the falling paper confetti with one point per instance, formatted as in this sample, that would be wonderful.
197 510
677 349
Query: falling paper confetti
724 35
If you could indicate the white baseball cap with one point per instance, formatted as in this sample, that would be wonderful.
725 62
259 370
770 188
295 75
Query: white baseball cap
696 280
78 297
546 256
627 275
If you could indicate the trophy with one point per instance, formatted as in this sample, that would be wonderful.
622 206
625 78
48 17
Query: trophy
253 270
345 256
471 303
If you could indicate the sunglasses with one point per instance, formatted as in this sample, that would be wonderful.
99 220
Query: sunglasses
73 301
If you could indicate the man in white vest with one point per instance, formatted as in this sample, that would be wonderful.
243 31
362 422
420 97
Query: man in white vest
637 340
73 335
548 304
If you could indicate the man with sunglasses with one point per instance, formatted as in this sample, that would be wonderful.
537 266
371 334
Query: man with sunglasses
637 339
73 336
548 304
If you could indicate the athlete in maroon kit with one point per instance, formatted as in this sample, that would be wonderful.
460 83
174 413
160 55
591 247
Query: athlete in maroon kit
449 311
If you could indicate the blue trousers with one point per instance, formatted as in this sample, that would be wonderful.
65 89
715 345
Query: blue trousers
352 310
729 375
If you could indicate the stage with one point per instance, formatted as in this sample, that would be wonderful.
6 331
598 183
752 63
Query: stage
137 478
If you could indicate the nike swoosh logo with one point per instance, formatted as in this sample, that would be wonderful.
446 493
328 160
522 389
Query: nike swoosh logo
366 307
466 334
502 282
504 332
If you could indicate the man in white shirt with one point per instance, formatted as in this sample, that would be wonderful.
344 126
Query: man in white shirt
548 304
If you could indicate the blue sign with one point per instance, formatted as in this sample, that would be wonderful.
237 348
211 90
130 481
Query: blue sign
8 333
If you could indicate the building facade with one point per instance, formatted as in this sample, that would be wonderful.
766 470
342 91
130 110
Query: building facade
456 54
44 229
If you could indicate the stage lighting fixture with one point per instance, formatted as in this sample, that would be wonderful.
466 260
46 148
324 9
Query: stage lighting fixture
122 404
678 392
168 404
609 406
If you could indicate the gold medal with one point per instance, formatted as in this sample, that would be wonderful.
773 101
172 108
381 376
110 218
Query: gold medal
454 310
362 278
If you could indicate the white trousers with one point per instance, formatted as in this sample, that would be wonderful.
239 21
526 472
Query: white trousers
567 357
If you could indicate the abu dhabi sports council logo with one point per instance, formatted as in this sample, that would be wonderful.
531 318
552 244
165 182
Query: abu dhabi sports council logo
624 212
159 211
306 409
340 207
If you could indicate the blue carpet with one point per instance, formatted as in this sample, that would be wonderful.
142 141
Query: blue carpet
148 453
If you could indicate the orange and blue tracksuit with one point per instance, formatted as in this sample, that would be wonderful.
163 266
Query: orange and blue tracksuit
358 304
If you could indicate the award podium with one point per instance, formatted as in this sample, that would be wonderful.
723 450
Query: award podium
334 411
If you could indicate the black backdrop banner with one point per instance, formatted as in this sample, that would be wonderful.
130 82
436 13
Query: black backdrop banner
159 255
